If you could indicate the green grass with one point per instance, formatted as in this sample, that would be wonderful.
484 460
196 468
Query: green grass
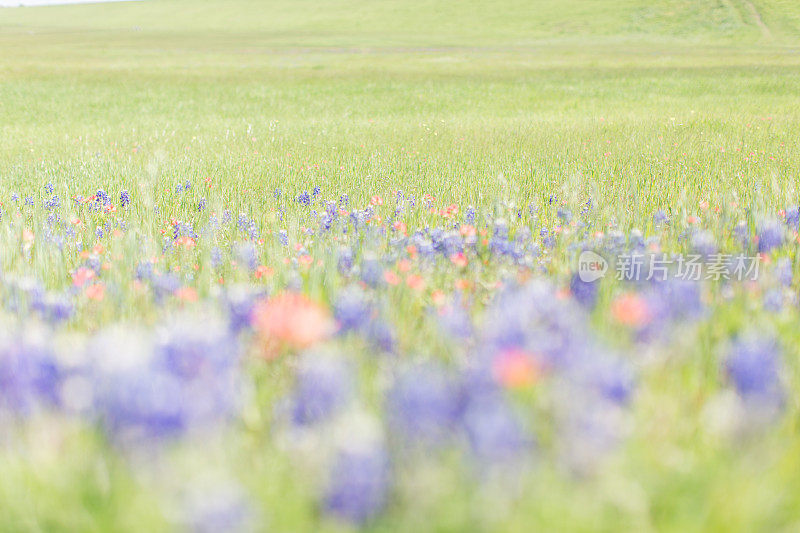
639 105
205 90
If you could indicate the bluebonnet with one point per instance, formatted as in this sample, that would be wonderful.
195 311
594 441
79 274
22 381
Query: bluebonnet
351 309
742 232
164 284
248 254
793 217
30 375
154 389
381 334
57 308
704 243
469 216
216 257
636 239
783 271
221 505
240 302
423 405
753 365
323 387
52 203
345 261
191 347
455 320
770 236
359 483
283 237
603 374
494 430
124 198
584 292
371 271
773 300
102 197
659 218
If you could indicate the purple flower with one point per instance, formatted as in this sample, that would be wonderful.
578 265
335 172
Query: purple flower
124 198
381 334
753 366
57 308
190 348
494 430
783 271
584 292
351 309
455 320
222 506
323 387
703 243
283 237
659 218
102 197
240 302
469 216
773 300
423 404
636 239
793 217
150 391
742 232
359 484
371 272
604 374
248 254
770 236
29 375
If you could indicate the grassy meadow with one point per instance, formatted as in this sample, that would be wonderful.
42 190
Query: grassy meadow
352 205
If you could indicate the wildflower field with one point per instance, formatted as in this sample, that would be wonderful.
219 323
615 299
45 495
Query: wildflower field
400 266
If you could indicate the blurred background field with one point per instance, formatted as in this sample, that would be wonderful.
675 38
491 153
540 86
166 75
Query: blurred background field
622 91
638 106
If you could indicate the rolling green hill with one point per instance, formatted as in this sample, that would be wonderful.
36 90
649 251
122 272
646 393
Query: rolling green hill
414 23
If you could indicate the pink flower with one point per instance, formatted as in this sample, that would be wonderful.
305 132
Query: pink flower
290 321
81 276
96 292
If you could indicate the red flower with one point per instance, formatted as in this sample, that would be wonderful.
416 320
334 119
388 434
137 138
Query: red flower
630 310
81 276
290 321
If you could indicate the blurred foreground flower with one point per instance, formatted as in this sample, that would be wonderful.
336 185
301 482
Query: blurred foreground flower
753 366
290 321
